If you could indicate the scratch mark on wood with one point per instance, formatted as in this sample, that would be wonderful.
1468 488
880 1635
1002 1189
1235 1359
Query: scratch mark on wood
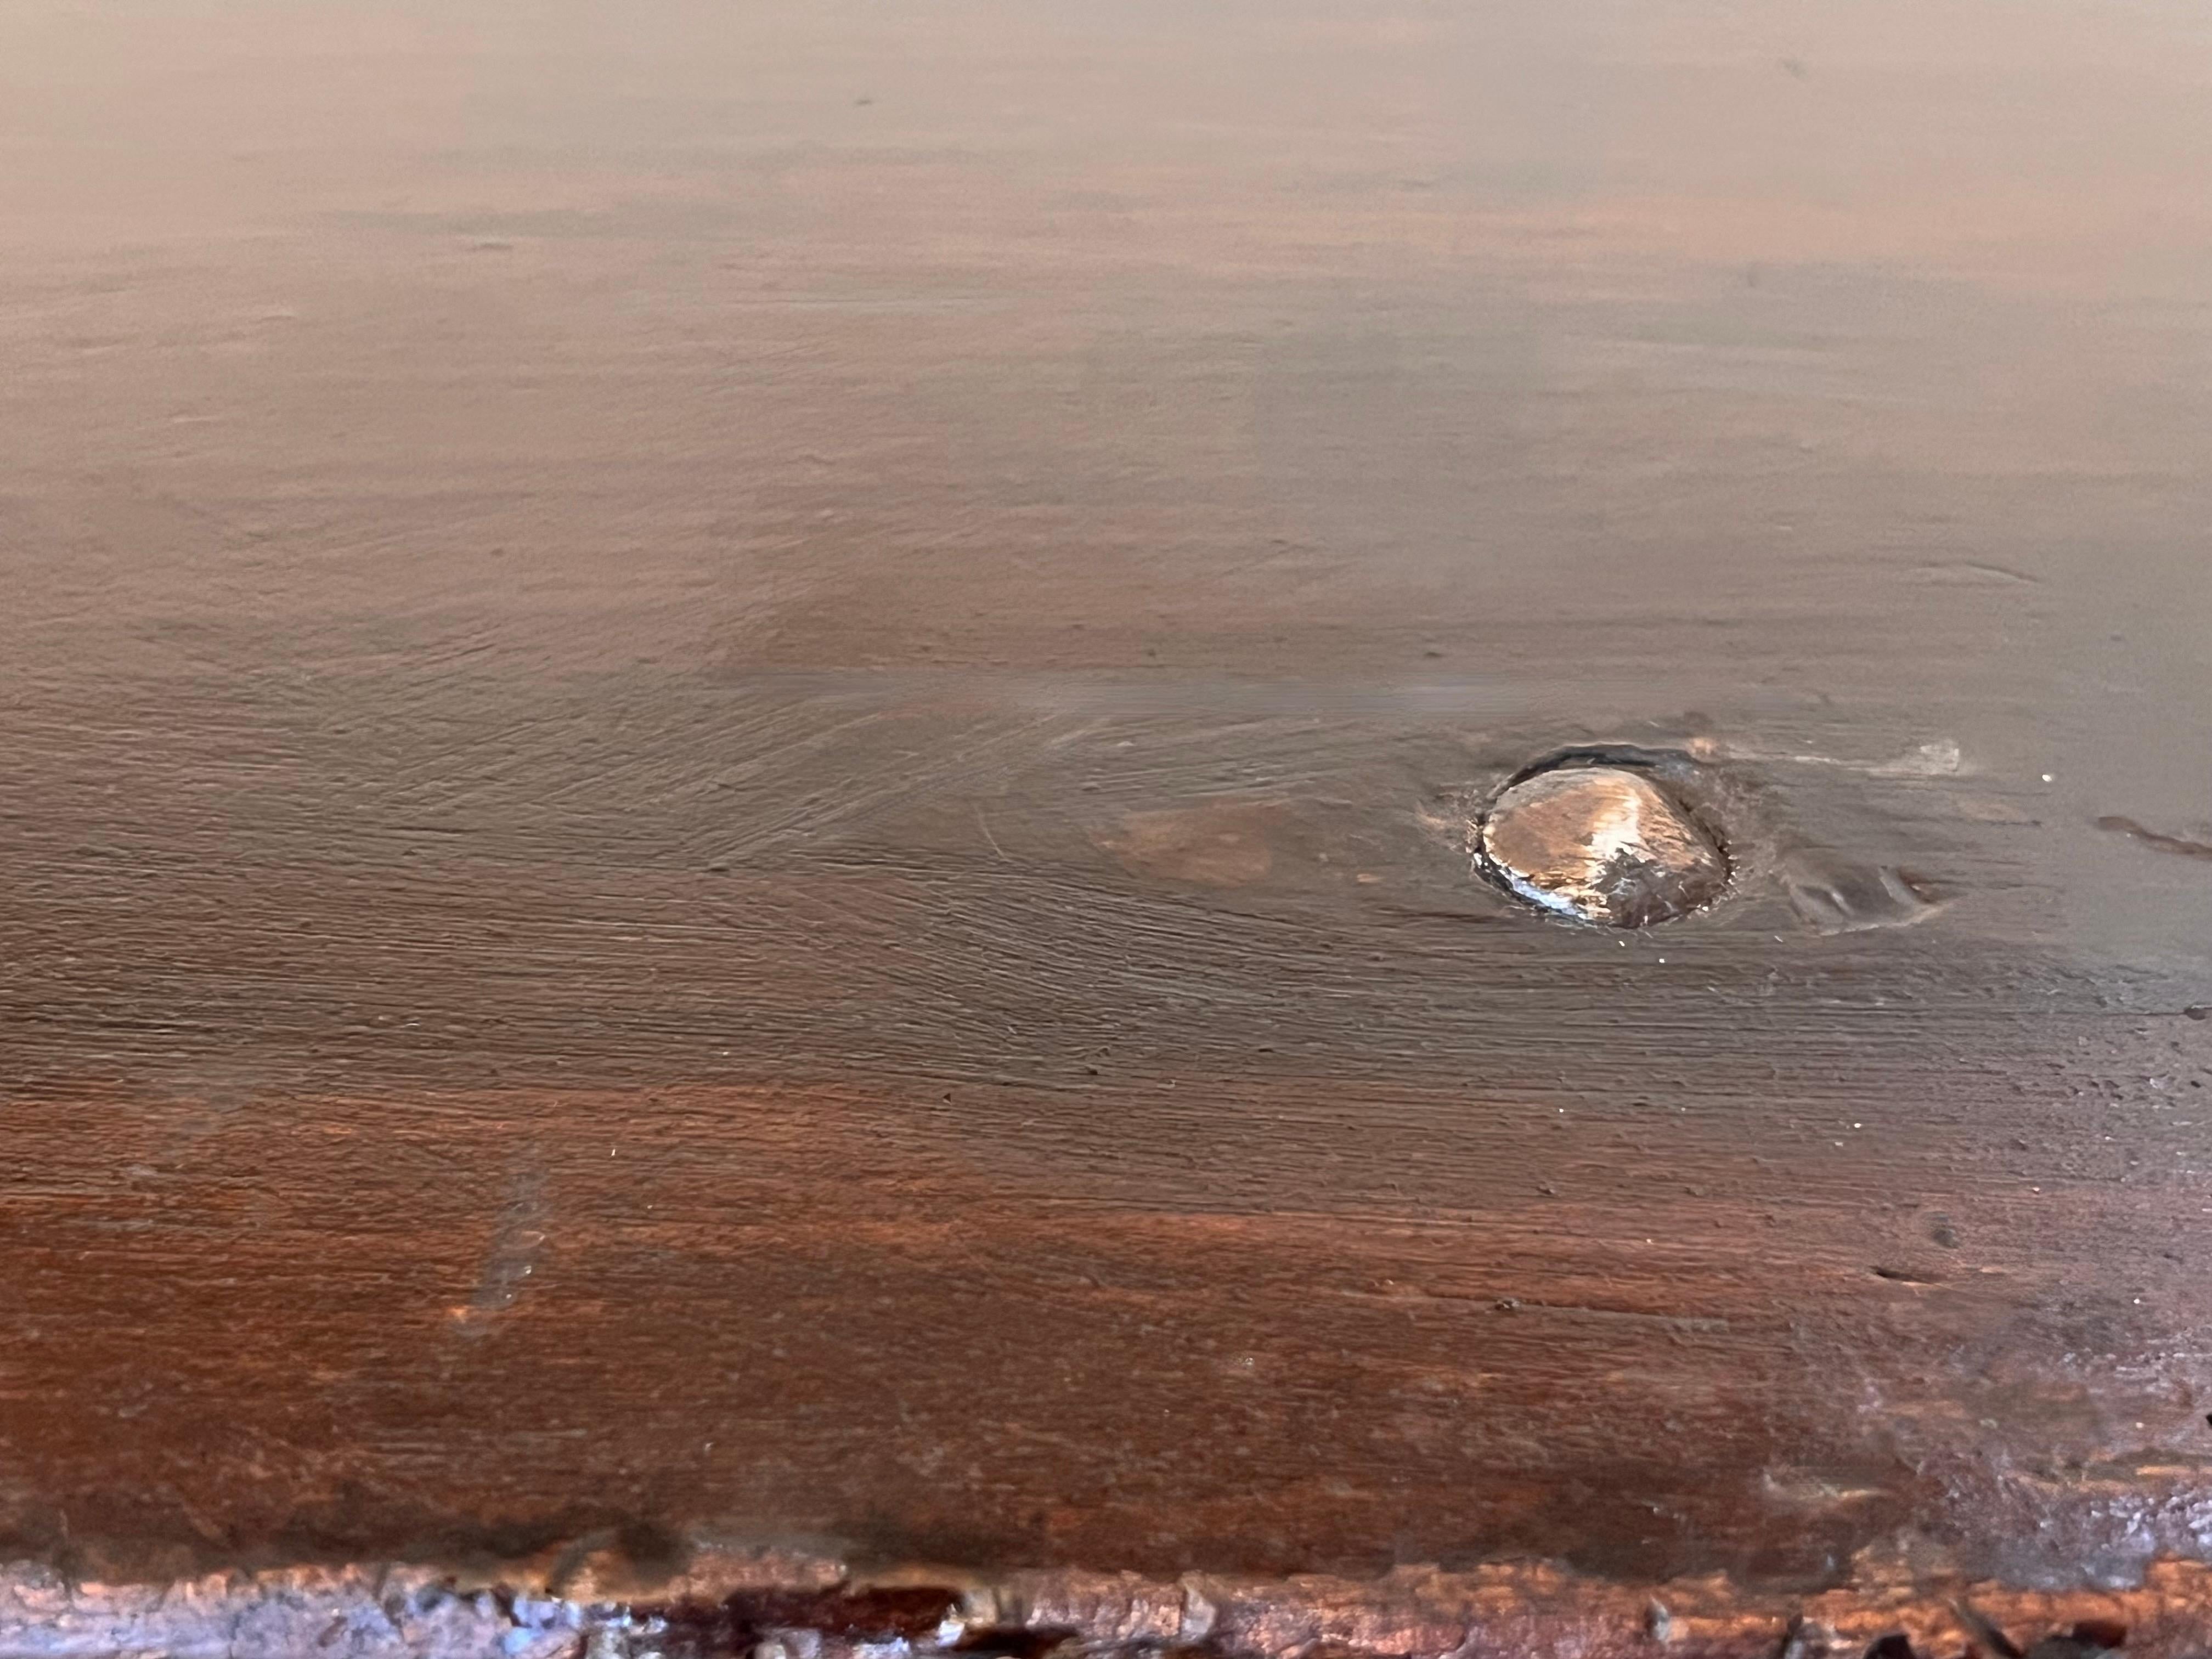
511 1258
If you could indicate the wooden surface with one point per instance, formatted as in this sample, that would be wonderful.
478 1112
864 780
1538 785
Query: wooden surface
734 745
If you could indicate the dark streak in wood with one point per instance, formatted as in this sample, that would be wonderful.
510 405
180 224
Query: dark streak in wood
2129 827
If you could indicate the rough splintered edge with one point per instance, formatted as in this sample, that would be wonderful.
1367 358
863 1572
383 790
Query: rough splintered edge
802 1610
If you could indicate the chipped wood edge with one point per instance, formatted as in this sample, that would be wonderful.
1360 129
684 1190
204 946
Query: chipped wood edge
782 1605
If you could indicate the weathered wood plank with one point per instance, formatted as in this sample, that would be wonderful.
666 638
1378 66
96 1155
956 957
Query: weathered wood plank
735 747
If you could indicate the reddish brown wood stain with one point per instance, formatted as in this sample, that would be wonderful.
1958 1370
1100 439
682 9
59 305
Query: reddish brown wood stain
727 743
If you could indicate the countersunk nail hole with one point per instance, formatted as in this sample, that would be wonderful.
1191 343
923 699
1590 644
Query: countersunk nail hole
1593 838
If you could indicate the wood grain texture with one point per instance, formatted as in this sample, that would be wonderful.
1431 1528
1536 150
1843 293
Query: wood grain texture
730 742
